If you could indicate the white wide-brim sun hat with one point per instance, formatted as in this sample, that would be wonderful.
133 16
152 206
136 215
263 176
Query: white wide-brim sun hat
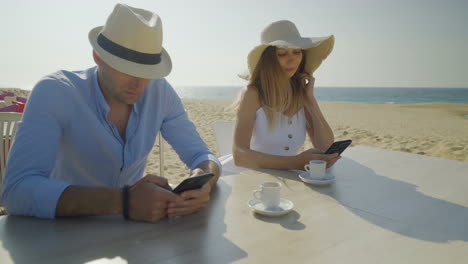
284 34
131 42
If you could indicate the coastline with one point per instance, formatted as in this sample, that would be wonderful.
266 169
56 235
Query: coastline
432 129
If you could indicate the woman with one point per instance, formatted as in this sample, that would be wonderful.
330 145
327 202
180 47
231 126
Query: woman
278 106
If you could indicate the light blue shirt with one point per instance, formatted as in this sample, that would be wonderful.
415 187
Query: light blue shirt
65 138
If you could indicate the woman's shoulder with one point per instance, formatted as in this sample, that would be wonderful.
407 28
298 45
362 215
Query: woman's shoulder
250 96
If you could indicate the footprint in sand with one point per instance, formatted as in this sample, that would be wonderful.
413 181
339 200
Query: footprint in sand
405 150
426 144
456 148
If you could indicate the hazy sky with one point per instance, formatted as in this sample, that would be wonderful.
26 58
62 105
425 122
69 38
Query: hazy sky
384 43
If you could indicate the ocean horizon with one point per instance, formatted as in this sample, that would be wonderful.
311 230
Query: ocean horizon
368 95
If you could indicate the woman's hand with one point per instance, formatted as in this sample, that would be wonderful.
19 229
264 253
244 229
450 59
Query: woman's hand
309 82
313 154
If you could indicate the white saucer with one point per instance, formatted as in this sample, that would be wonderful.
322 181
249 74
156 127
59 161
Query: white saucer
328 179
284 207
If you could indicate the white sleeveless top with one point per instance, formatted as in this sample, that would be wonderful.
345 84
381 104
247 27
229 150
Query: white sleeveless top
285 139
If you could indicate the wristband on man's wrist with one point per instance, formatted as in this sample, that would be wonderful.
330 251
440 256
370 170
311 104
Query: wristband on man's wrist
125 198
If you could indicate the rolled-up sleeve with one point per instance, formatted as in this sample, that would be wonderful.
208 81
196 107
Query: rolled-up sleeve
27 188
181 133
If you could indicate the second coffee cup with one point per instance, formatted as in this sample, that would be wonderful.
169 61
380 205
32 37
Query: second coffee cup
269 194
316 168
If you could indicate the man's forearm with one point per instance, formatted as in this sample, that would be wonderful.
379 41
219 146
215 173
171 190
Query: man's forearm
210 166
78 200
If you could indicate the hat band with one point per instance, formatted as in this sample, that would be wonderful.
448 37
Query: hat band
128 54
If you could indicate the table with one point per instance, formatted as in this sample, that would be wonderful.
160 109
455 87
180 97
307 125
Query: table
385 207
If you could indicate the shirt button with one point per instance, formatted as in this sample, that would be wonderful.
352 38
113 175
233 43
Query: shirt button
289 136
286 148
290 122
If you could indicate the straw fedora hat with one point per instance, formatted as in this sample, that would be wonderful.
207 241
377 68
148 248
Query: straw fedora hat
284 34
131 42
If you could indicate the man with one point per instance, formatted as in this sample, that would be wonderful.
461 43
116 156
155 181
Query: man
83 143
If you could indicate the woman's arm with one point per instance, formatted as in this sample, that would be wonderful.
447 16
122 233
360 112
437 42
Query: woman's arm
245 157
320 133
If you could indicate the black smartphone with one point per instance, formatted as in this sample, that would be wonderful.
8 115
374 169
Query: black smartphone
193 183
338 147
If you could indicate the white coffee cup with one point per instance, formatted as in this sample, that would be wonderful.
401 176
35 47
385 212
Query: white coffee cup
269 194
316 168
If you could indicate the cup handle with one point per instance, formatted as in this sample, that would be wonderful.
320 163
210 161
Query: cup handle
307 167
257 194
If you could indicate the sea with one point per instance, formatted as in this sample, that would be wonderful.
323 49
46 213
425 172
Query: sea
368 95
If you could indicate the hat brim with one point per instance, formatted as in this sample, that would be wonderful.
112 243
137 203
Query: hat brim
316 49
156 71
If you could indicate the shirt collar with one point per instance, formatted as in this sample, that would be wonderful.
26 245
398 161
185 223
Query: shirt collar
101 103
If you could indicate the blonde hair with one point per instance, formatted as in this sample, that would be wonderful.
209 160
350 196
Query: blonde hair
277 94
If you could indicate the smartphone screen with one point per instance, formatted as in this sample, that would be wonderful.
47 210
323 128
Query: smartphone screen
338 147
193 183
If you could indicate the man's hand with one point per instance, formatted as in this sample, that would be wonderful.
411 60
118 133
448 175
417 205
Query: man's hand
149 199
192 201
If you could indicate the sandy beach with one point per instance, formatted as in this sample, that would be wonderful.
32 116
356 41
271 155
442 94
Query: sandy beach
433 129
